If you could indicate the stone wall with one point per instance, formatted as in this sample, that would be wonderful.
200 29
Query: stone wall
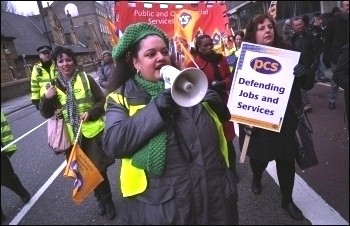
15 89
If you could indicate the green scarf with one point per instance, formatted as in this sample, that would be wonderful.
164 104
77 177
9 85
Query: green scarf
151 157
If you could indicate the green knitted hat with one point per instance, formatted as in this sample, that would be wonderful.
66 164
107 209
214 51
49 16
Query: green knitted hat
134 33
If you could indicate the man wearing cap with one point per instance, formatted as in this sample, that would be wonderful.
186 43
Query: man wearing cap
105 71
42 73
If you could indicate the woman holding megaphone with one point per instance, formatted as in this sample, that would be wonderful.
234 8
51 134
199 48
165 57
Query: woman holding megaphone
171 173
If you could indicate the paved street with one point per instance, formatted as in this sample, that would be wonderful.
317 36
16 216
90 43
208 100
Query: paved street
322 192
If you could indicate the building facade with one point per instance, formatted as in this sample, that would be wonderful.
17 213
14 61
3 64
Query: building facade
239 12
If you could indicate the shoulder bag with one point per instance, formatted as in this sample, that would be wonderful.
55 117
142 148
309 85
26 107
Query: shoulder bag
57 134
305 156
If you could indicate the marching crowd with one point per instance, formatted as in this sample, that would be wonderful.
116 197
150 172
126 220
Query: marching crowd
178 164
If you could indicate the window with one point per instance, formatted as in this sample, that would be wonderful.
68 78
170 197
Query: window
285 9
289 9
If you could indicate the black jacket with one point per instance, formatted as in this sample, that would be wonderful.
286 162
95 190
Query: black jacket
267 145
336 36
307 46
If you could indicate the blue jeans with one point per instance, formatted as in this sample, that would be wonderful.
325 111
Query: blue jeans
333 92
304 96
319 73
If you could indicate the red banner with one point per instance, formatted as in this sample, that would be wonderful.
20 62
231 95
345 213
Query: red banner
162 15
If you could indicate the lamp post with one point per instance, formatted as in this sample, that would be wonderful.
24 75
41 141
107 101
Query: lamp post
25 64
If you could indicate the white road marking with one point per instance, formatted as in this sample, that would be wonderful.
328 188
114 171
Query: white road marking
37 195
314 208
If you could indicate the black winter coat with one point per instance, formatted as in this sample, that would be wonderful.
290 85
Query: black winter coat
190 191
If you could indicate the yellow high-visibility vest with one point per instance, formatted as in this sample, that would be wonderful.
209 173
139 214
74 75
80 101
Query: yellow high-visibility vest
84 99
138 183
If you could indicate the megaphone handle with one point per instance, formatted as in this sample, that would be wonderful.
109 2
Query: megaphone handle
244 149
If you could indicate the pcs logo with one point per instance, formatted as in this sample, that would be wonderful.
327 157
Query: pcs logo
184 19
265 65
216 39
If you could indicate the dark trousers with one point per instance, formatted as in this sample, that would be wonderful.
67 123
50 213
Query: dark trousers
9 178
103 191
285 174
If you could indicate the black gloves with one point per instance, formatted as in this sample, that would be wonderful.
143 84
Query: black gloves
165 104
305 77
326 62
218 86
299 71
36 104
217 105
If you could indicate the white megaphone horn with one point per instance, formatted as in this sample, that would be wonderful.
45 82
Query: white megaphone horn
188 87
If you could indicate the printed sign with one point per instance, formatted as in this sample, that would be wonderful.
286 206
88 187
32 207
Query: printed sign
262 84
210 16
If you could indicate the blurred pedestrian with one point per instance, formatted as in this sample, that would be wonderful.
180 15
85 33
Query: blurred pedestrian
105 71
215 67
42 73
81 99
173 165
9 178
303 42
287 30
229 51
239 35
341 77
318 27
336 36
265 145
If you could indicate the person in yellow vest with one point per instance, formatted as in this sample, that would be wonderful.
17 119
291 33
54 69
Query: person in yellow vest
42 73
229 51
9 178
81 99
174 163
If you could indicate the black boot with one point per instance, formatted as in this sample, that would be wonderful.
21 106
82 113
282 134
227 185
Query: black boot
110 210
256 185
23 194
101 209
106 206
25 197
293 210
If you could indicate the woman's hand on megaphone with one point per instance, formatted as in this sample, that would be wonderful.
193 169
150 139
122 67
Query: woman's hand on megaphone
217 105
218 86
165 104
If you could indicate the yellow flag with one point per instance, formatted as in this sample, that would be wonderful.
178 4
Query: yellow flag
86 176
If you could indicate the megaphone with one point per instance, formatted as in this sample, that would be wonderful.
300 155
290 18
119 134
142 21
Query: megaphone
188 87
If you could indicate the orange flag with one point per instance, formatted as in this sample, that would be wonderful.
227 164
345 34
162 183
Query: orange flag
85 174
114 33
184 23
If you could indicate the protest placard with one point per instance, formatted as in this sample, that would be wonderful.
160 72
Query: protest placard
261 87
